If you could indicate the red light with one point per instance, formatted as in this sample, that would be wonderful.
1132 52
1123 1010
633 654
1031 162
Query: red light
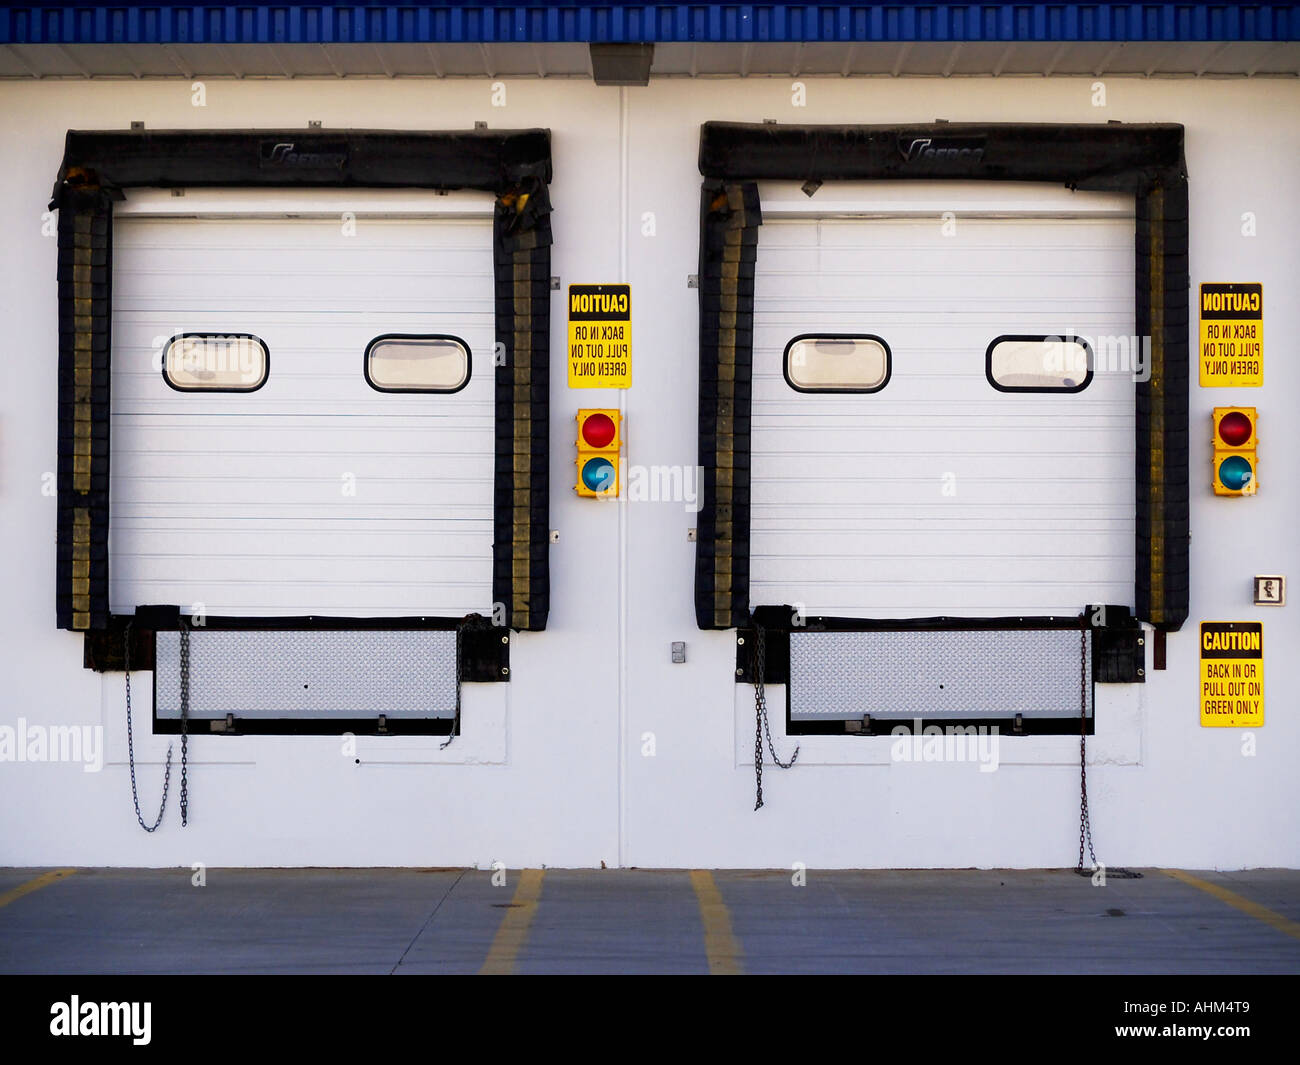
598 430
1234 428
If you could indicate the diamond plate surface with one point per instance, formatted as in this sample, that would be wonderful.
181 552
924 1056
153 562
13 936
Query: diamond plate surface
310 674
926 674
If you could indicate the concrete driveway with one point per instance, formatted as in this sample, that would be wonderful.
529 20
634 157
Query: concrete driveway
633 921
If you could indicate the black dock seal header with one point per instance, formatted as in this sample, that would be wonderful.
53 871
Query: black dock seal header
1143 159
1120 157
513 165
491 160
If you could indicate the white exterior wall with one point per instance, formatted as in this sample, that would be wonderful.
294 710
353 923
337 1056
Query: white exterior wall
551 767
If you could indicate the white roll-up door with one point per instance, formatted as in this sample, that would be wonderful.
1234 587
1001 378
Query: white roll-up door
316 493
939 494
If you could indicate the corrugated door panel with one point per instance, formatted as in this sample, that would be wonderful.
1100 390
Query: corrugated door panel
314 494
940 494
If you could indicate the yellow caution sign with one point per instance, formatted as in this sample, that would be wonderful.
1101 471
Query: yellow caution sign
600 336
1232 336
1232 674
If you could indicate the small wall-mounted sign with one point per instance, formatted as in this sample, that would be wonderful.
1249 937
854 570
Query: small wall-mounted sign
1231 353
1270 591
1232 674
600 336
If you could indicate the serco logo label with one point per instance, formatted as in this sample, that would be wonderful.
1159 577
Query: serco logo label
941 150
287 154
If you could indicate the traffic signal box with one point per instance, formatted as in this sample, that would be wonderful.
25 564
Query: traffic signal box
599 442
1236 463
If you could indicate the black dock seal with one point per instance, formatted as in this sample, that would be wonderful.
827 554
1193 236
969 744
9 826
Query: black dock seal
1145 160
515 166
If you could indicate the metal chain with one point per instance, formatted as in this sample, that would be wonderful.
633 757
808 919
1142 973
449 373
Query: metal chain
760 701
130 748
184 633
1085 823
762 727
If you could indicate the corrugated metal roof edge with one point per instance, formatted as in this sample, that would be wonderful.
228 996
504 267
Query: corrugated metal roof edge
533 23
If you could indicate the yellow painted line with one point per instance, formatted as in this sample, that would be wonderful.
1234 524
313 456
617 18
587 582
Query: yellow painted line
1238 902
44 880
720 944
512 934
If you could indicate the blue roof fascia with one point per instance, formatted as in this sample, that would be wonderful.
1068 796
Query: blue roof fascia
577 21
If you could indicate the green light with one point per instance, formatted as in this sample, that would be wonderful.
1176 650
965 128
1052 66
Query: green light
598 474
1235 473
